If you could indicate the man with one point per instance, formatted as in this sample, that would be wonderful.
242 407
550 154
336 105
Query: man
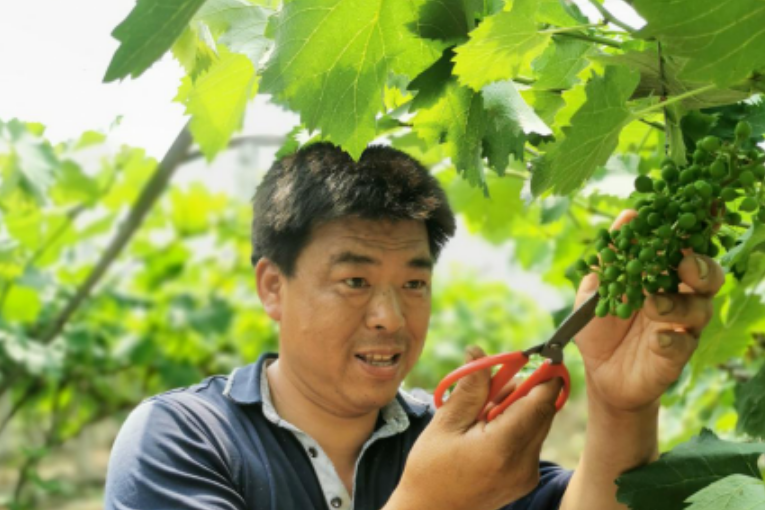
343 255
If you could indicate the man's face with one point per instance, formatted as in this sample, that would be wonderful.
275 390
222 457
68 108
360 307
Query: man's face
355 314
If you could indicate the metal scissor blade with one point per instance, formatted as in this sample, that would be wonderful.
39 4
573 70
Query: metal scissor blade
574 323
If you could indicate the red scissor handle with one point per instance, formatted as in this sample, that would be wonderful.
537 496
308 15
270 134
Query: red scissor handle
511 363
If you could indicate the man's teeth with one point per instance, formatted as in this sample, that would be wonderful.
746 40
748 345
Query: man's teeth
378 360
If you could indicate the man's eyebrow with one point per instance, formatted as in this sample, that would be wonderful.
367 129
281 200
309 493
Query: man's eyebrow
349 257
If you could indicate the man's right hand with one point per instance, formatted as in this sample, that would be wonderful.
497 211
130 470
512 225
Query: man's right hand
461 463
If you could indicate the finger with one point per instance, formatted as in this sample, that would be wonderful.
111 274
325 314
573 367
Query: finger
691 311
469 396
675 346
624 217
506 390
702 274
529 419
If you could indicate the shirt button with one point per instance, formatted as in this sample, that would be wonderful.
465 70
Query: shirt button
336 502
312 452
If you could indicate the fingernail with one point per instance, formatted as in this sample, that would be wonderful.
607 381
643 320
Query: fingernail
703 267
663 304
665 340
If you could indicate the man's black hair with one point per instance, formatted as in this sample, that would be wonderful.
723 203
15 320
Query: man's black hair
321 183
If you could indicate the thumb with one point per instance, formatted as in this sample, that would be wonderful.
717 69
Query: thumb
469 396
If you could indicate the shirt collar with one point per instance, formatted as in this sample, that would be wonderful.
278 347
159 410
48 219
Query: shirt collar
243 387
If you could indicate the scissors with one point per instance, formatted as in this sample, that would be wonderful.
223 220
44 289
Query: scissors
511 363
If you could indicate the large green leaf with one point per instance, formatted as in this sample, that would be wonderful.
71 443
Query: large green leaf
216 100
492 123
723 40
501 47
593 136
651 84
750 405
457 119
668 482
561 62
735 492
333 58
147 33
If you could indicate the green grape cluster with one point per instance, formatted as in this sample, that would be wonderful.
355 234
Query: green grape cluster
683 209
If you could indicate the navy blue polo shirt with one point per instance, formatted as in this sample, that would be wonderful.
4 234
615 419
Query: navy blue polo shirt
212 446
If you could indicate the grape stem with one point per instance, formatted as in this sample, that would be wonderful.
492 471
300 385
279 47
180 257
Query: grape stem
610 17
592 38
674 99
562 30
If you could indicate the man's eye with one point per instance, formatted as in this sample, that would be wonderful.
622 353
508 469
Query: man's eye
416 284
355 283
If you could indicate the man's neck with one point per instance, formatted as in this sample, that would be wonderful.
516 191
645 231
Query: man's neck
340 437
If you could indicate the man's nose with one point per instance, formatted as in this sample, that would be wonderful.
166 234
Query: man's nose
385 311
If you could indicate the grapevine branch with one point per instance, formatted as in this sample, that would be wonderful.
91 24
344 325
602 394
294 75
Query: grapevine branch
610 17
151 192
592 38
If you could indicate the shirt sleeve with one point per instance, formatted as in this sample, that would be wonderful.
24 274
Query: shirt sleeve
553 481
162 460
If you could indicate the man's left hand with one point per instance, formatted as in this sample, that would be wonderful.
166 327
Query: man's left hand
630 362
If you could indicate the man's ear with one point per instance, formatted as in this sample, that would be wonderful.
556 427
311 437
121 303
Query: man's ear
269 280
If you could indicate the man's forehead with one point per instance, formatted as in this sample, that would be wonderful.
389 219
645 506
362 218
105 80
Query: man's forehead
382 234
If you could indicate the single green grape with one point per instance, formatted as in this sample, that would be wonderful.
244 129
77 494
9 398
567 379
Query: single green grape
718 169
634 267
611 273
686 220
664 231
624 311
710 143
749 204
669 174
602 309
607 255
729 194
704 188
743 130
746 178
644 184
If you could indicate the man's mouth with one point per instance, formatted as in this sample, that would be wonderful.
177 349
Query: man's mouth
379 360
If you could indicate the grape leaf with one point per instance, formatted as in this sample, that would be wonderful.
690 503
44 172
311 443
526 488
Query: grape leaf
457 119
738 256
722 39
216 100
447 20
750 405
738 313
735 492
147 33
493 123
333 58
558 66
501 47
432 82
31 163
562 13
647 62
243 25
688 468
593 136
